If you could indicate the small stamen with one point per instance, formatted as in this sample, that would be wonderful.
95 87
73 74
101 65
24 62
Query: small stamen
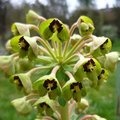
76 87
55 25
89 66
23 44
17 81
50 84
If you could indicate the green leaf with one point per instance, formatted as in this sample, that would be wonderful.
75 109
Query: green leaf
61 100
61 76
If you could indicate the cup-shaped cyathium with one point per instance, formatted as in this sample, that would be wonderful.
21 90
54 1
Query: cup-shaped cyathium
102 77
87 67
23 82
85 26
111 60
22 29
22 105
34 18
25 46
72 89
81 106
99 46
7 64
54 29
45 106
48 84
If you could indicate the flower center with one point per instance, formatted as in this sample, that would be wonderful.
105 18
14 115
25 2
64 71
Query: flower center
76 87
23 44
55 25
44 105
50 84
17 81
89 66
101 76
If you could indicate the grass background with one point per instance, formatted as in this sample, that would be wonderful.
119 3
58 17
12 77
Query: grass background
102 102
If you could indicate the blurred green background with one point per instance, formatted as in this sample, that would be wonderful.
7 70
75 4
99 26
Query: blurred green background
107 23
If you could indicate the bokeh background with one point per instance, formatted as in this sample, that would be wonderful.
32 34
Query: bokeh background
106 16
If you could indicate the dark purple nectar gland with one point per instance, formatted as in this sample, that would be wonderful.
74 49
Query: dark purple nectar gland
43 104
17 81
50 84
23 44
55 25
102 47
101 74
76 87
89 66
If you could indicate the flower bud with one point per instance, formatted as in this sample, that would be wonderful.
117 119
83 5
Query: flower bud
22 105
111 60
86 26
22 81
20 29
54 29
7 65
82 106
86 29
33 18
75 38
47 84
45 106
99 46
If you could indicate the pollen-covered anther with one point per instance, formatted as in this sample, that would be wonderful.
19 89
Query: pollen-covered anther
23 44
76 87
50 84
102 47
55 25
89 66
17 81
101 74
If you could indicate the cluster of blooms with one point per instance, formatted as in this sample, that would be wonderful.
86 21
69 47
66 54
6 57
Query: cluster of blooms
57 66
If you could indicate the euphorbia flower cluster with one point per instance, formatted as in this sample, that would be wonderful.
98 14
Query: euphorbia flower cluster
56 68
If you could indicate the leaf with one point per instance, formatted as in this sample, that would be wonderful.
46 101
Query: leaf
61 100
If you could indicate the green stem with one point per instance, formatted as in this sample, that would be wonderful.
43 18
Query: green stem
36 69
60 51
74 26
64 112
43 50
47 46
77 46
54 70
69 59
33 27
54 46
